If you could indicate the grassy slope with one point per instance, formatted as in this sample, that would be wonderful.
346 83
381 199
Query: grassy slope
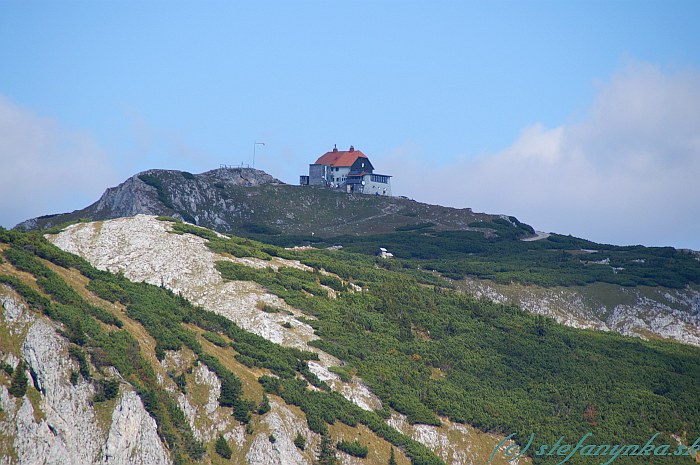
503 258
149 320
299 210
502 369
505 370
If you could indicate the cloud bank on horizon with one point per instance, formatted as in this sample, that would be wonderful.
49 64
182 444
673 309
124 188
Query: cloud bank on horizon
46 168
626 173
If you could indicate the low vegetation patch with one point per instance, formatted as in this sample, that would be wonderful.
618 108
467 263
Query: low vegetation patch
215 339
168 219
222 448
107 389
18 387
353 448
503 369
555 261
300 441
157 183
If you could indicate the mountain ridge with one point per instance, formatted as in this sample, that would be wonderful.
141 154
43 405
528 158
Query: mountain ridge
558 276
246 200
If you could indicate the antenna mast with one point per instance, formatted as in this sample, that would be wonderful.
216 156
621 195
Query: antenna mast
255 146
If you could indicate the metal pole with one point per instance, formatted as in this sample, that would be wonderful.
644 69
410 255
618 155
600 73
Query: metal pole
255 145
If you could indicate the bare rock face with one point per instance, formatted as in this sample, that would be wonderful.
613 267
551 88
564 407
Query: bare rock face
55 422
15 313
283 425
642 312
240 177
132 438
69 432
454 443
355 391
129 198
196 197
204 375
206 419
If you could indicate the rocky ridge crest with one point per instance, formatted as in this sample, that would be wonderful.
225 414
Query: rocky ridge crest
162 192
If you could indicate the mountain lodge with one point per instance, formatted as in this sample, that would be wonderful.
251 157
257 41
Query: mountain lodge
347 170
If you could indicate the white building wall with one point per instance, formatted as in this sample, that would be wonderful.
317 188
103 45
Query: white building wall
374 188
339 176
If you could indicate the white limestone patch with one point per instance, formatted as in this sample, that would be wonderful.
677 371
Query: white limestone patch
673 314
205 418
143 249
355 391
209 419
15 312
284 425
452 442
65 429
203 375
7 423
69 433
133 437
276 263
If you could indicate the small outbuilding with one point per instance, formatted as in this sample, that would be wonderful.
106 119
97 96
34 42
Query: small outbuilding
382 252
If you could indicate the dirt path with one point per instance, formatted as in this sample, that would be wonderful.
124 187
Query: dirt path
539 235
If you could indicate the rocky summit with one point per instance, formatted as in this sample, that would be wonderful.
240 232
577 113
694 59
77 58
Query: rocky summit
249 201
160 192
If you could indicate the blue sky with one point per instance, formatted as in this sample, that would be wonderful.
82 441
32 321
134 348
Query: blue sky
577 117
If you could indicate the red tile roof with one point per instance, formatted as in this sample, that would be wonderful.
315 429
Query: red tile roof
340 157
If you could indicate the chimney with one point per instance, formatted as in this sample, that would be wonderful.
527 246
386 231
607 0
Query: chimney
352 149
335 147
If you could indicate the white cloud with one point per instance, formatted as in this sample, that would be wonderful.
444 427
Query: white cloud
45 168
626 173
